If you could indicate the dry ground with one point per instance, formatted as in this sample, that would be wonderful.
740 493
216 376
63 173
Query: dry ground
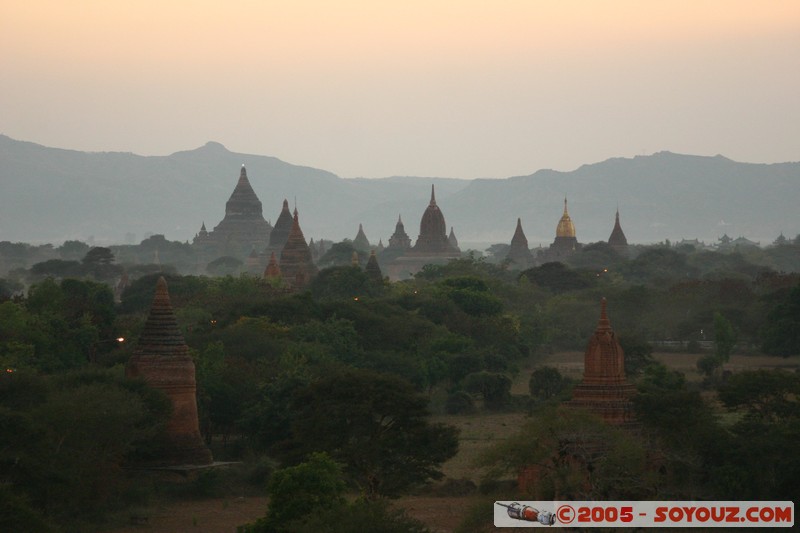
441 514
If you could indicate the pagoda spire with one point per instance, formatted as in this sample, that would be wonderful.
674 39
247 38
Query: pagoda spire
433 196
162 360
161 334
604 389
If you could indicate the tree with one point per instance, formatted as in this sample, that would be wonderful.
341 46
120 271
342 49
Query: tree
495 388
576 456
73 250
308 498
781 333
298 491
64 439
557 277
724 342
547 383
762 458
375 424
224 266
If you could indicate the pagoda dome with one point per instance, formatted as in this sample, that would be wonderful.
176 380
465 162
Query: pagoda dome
565 226
433 231
432 223
617 238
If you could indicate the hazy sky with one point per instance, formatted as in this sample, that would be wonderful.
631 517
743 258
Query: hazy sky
375 88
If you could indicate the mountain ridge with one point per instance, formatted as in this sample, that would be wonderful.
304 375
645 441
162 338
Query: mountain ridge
55 194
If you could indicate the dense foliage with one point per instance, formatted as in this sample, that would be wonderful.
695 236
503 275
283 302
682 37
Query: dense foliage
352 367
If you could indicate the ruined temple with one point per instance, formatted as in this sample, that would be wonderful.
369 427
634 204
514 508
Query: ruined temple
242 228
283 225
519 255
297 266
604 389
162 360
617 238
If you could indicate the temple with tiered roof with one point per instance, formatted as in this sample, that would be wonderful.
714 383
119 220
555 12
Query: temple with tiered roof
399 240
604 389
242 229
163 361
433 245
296 264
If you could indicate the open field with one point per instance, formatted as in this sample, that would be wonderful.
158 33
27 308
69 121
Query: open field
479 431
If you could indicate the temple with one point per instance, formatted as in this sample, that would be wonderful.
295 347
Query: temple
242 229
273 271
361 243
283 225
519 255
565 243
433 245
604 389
373 269
399 239
296 265
432 239
617 238
162 359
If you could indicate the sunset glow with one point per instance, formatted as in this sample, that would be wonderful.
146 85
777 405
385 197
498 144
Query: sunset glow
464 89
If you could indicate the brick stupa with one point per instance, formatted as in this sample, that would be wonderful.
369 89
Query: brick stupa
162 359
519 255
296 264
604 389
283 225
373 269
617 238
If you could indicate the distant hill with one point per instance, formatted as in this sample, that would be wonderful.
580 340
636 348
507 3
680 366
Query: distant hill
50 195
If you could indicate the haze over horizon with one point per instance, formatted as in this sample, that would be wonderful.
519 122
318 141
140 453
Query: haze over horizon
462 89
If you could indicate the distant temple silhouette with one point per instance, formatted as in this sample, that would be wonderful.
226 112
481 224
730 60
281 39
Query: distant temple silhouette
245 235
433 245
241 230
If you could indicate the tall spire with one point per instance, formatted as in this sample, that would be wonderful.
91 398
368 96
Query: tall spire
518 253
603 324
604 388
296 263
161 334
617 239
565 226
433 196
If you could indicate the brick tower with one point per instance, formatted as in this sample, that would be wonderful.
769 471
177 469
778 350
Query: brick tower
604 389
162 359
